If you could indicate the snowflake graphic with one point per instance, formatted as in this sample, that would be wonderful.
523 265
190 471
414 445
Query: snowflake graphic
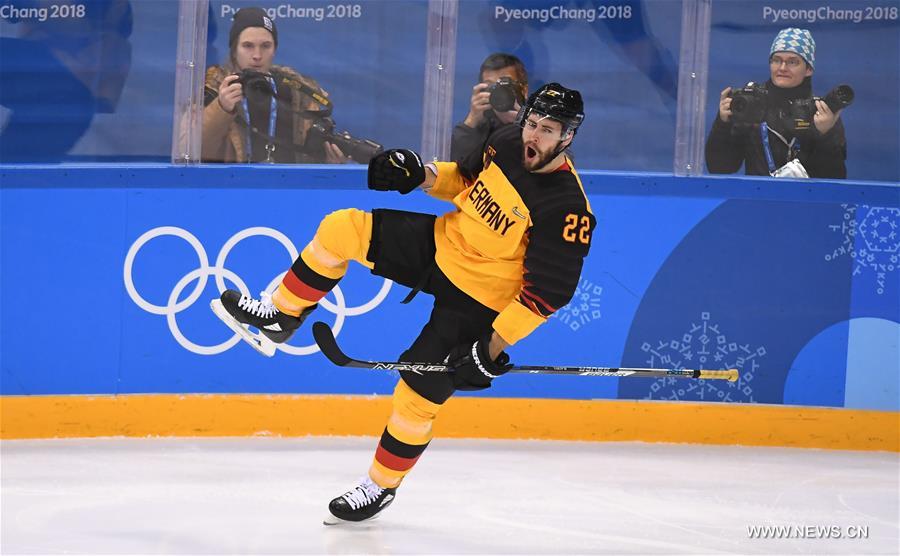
703 346
869 237
584 307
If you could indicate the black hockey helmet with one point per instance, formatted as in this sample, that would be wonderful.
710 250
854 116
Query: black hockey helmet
556 102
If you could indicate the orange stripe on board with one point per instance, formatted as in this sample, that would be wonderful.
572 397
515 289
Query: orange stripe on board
191 415
514 418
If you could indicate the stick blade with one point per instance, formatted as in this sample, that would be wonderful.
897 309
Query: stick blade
731 375
324 338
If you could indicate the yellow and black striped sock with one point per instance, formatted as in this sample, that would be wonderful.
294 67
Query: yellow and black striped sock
342 236
406 436
303 286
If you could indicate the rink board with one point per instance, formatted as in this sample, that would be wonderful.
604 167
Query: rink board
461 417
795 284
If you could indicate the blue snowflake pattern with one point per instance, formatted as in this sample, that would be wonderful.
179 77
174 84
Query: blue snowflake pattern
703 346
878 252
584 307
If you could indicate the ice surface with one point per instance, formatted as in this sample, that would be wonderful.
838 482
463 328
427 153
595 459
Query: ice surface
268 496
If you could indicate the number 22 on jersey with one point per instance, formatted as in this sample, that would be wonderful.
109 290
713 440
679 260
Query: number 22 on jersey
577 228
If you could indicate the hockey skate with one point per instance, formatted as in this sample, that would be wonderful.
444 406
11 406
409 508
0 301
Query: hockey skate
362 502
240 312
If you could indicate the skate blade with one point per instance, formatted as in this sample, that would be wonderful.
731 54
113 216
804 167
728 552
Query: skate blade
257 341
331 520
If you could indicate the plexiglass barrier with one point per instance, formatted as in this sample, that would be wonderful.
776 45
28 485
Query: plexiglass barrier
345 74
621 55
86 80
95 80
849 42
120 80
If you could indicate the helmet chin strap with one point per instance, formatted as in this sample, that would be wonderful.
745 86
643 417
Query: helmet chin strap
560 148
553 155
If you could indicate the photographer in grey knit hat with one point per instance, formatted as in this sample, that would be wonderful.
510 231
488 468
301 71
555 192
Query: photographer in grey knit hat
767 127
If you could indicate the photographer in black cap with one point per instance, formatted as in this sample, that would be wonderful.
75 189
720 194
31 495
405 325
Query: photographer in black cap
259 112
501 89
779 128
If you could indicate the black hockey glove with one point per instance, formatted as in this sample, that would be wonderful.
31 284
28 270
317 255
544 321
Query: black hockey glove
396 170
473 367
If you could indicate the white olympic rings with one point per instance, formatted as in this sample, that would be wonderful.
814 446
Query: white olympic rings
220 273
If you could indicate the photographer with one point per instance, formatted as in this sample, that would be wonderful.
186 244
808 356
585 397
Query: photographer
502 87
765 127
257 112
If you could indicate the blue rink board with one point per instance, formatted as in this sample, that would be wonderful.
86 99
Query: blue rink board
794 283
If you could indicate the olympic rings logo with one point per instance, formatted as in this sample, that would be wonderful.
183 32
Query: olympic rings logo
219 272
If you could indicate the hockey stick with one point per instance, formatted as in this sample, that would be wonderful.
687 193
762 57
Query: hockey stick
328 344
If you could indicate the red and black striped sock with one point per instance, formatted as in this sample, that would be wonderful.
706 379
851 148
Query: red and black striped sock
405 437
303 287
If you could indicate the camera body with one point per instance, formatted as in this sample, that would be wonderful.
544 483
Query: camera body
800 113
254 81
504 94
748 104
257 88
322 130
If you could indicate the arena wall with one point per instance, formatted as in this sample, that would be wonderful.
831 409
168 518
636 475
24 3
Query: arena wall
107 274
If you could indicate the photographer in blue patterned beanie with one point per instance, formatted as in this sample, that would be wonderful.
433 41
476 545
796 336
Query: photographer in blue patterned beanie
779 128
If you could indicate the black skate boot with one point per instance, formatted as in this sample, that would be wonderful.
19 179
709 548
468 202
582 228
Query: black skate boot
360 503
240 312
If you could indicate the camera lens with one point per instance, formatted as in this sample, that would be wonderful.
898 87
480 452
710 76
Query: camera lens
748 104
252 79
839 98
503 97
360 150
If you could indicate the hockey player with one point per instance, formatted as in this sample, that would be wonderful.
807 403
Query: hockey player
498 266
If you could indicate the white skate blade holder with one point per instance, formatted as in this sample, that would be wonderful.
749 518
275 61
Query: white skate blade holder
256 340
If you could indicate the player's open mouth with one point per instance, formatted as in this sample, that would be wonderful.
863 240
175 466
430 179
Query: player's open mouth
530 153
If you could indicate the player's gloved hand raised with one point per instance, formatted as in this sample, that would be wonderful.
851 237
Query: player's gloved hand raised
473 367
396 170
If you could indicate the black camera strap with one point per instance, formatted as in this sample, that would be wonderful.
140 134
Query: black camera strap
322 100
272 141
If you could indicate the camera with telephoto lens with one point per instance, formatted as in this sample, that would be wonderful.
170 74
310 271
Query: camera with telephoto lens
800 113
504 94
322 130
748 104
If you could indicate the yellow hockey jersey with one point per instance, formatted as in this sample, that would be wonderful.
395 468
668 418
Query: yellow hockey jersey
517 241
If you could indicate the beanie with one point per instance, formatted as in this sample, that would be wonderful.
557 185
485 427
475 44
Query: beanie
798 41
251 17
